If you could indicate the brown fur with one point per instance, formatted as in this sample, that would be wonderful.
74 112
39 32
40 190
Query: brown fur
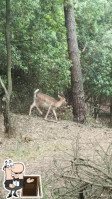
45 101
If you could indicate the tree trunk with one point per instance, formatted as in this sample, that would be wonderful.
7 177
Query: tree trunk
8 46
76 74
6 114
111 111
6 100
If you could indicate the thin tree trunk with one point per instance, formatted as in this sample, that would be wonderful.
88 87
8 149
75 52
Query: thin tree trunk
8 46
81 195
111 111
6 100
76 74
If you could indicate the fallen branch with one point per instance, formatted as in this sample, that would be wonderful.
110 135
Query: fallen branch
93 167
51 121
87 181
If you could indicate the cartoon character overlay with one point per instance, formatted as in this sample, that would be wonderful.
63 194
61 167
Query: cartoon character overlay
14 177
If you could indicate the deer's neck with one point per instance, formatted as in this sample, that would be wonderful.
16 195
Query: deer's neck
59 103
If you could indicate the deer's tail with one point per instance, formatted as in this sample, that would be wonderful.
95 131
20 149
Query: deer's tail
35 94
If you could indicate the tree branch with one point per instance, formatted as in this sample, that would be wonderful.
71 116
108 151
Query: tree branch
83 50
3 86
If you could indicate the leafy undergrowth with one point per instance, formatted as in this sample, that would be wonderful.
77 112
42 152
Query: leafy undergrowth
41 144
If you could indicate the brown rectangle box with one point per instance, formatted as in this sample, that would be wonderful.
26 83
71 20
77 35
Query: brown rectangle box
33 189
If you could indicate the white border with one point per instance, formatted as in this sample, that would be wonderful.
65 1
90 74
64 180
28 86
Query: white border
40 187
20 190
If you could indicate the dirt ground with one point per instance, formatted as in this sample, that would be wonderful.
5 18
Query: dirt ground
39 144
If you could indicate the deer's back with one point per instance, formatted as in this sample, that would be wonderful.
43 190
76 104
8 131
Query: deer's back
45 100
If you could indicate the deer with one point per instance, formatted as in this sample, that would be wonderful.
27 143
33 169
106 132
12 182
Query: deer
46 101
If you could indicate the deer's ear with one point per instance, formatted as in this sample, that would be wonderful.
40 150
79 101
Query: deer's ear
59 96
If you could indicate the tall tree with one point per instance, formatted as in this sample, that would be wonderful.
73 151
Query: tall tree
8 46
76 74
8 91
111 111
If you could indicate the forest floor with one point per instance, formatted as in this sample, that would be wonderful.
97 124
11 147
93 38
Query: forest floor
39 144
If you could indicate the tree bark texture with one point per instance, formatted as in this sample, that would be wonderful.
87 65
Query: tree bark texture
111 111
8 47
6 102
6 115
76 74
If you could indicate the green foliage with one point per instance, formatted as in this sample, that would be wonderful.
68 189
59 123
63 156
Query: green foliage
40 43
95 34
39 46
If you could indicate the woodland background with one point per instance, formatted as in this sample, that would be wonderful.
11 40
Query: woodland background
39 49
74 160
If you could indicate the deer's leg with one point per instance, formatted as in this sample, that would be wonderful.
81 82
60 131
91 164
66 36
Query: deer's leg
47 113
31 107
39 110
54 112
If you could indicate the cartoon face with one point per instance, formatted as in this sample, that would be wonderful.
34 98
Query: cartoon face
17 170
14 172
